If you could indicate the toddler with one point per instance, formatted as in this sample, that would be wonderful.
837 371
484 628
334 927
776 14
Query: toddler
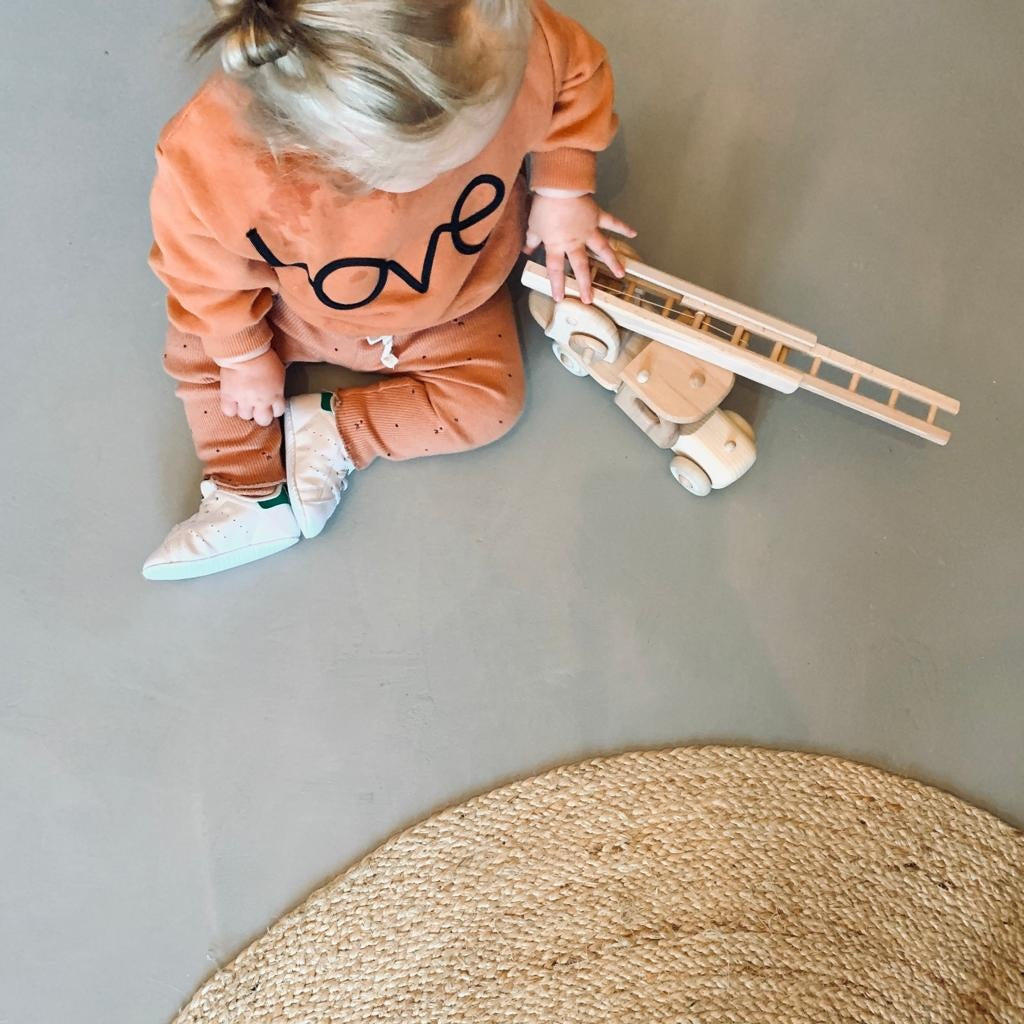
352 190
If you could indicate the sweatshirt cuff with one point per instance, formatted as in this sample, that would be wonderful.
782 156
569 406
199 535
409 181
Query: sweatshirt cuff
251 342
571 169
247 358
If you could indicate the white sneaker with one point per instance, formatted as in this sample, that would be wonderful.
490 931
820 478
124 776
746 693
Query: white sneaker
228 530
315 460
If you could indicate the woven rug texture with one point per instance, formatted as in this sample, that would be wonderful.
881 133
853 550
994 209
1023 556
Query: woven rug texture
693 886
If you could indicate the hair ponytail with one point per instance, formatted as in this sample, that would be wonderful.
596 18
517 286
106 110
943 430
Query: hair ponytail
251 33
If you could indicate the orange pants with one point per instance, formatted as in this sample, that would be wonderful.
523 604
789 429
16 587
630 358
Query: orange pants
457 386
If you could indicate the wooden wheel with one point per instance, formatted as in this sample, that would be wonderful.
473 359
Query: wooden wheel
689 475
570 360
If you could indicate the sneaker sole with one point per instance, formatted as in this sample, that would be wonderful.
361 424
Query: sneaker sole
298 509
170 571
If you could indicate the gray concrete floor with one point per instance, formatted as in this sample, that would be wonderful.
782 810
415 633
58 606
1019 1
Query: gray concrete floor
180 764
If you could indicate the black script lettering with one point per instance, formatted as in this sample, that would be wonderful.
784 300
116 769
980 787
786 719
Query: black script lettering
383 269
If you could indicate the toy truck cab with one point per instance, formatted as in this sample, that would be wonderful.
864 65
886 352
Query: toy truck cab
671 396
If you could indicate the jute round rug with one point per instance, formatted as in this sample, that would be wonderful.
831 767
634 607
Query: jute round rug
696 886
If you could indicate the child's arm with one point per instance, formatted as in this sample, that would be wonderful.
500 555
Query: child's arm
564 216
583 122
218 297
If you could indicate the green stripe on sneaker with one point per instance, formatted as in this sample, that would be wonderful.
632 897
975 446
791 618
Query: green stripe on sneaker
325 401
281 499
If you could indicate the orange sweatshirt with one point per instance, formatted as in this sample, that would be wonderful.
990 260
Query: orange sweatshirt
234 227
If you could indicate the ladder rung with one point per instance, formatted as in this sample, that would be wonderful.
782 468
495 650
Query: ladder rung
737 336
868 406
854 382
779 353
815 367
926 396
754 320
669 306
932 413
698 320
894 398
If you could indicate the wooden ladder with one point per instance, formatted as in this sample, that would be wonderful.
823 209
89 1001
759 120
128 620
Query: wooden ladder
754 345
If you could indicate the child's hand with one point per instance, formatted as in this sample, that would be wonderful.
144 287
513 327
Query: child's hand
254 390
568 226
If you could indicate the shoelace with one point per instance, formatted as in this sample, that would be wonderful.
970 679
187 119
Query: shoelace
209 490
338 480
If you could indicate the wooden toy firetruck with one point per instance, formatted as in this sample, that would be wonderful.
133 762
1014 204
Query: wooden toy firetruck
669 351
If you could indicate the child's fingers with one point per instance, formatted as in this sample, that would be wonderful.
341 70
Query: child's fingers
263 415
278 408
532 243
228 407
580 263
601 248
556 274
611 223
245 411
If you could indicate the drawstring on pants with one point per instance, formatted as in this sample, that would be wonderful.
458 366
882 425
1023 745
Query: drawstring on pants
387 356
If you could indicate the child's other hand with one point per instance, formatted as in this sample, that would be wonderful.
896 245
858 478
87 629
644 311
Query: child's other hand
568 226
253 390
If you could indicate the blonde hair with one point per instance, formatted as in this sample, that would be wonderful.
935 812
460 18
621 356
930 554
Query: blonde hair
364 84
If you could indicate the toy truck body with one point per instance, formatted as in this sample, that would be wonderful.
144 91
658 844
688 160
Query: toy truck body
669 352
